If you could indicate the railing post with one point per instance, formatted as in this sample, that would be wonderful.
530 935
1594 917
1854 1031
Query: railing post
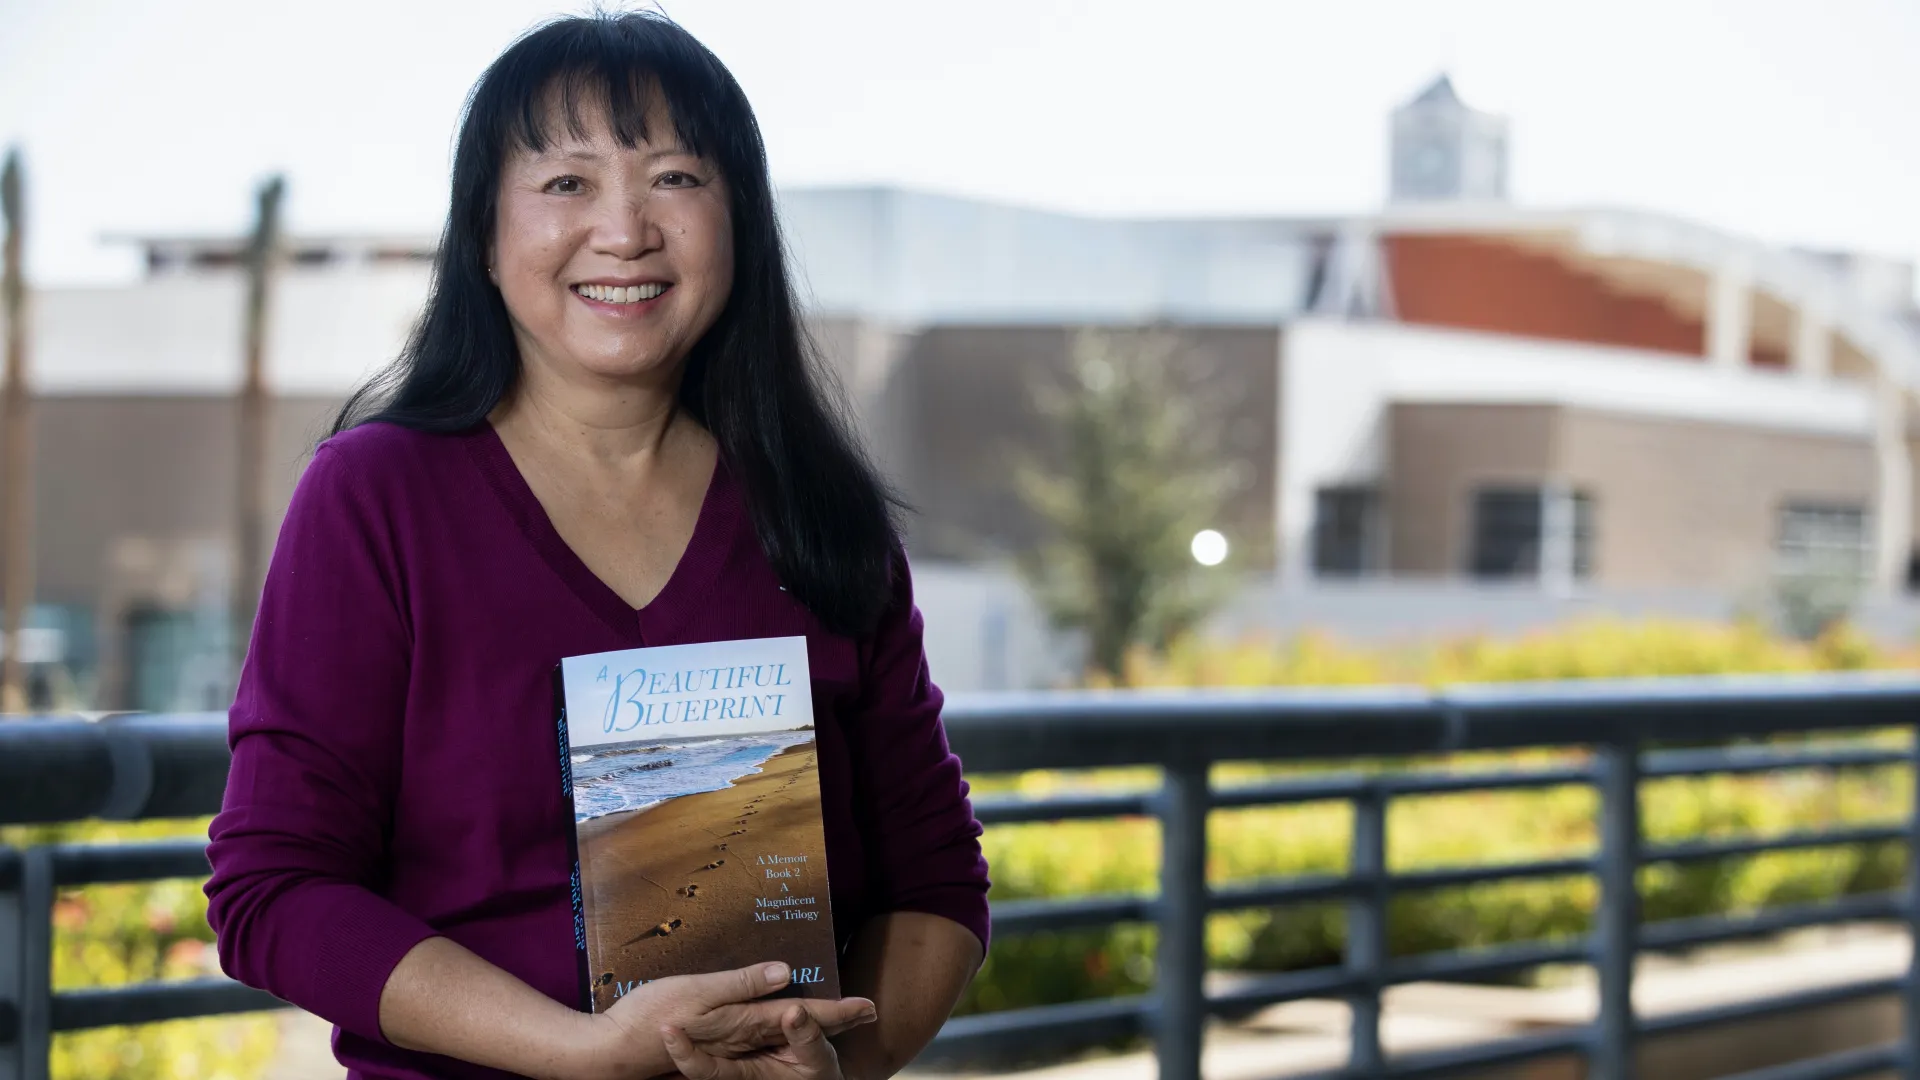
1617 924
1180 1013
12 947
1367 928
1911 998
26 966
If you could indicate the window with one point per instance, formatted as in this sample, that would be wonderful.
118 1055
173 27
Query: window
158 642
1517 532
1823 538
1345 531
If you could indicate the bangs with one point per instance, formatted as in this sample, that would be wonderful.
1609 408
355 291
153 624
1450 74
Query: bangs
560 79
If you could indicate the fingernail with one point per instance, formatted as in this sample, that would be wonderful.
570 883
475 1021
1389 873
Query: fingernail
670 1037
776 974
868 1015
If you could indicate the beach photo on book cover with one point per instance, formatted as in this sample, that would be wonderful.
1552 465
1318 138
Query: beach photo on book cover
703 855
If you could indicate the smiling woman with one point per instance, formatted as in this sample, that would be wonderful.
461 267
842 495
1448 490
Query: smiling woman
606 432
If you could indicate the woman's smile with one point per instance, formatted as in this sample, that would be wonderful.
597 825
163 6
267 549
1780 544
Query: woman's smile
619 299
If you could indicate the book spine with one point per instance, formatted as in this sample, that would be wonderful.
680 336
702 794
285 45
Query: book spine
573 843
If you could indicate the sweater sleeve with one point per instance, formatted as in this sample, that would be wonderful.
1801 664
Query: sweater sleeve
925 852
298 848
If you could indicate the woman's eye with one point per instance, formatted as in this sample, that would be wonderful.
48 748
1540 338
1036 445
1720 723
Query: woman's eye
566 185
678 179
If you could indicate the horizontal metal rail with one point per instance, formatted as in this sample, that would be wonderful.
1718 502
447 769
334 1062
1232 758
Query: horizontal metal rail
77 1010
171 767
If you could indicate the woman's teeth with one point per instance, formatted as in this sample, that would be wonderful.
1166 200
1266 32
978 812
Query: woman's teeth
621 294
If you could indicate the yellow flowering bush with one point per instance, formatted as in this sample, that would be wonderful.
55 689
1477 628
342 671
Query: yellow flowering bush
1122 857
113 935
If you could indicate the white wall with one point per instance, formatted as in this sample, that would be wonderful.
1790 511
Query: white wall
183 334
982 633
1338 380
910 257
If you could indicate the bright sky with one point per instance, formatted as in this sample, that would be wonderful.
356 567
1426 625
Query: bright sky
1787 120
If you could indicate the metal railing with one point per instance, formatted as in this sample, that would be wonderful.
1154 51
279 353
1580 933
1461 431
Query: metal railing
158 767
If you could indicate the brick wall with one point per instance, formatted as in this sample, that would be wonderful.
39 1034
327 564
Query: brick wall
1475 283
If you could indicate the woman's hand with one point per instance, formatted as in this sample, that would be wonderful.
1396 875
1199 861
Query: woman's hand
719 1018
805 1055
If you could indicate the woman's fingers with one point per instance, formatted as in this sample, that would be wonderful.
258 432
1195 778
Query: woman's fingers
813 1056
740 984
835 1017
839 1022
806 1056
736 1029
693 1063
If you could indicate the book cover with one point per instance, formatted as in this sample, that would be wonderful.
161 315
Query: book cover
696 805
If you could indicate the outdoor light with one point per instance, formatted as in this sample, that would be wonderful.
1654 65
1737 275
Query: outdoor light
1209 547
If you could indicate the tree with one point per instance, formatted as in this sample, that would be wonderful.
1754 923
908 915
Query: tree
1136 476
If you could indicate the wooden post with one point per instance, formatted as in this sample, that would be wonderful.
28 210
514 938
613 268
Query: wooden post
16 513
250 501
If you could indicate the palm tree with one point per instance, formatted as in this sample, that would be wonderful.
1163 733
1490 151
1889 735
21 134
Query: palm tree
16 534
250 498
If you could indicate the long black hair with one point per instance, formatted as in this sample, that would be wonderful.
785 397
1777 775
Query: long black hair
823 516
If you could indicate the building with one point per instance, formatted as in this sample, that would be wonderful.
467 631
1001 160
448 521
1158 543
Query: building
1452 388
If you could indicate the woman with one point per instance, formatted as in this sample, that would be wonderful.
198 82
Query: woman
602 435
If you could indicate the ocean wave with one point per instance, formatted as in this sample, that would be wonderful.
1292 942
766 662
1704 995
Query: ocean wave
612 783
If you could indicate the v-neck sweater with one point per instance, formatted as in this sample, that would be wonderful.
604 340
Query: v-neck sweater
395 772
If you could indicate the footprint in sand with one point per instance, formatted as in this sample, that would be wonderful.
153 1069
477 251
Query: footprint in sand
690 891
715 864
656 931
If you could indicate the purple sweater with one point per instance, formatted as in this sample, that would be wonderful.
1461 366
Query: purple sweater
393 740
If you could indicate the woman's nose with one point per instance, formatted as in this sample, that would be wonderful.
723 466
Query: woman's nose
625 229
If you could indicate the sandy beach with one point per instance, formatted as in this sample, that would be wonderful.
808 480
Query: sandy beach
696 865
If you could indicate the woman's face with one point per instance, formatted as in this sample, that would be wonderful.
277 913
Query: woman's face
612 261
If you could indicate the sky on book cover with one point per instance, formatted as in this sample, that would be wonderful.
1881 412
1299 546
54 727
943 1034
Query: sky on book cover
685 692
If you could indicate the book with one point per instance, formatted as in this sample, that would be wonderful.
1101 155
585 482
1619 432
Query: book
698 842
